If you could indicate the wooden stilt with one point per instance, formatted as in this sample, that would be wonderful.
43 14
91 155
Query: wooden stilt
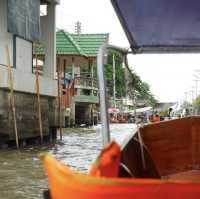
59 99
38 100
10 79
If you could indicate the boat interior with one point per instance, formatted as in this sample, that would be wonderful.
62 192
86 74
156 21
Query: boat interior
168 150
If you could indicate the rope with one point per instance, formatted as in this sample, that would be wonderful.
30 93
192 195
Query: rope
139 126
4 65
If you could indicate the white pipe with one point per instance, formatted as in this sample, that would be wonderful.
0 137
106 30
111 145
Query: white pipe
102 89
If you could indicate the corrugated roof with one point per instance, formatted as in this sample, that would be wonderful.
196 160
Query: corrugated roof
77 44
90 43
66 45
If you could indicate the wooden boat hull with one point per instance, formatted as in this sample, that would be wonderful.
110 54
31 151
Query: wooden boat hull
66 184
165 150
162 159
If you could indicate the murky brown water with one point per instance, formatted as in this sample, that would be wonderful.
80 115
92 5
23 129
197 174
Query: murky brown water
21 172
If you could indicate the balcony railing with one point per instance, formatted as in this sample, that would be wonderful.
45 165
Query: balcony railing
86 82
86 99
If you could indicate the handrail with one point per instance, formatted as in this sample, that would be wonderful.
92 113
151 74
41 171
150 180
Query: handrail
86 81
102 88
85 78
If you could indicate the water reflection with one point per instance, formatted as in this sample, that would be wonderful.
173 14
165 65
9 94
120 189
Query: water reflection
22 174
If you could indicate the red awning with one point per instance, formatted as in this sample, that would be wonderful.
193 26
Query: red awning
113 110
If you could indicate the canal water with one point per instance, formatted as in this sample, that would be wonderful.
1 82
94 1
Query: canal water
21 172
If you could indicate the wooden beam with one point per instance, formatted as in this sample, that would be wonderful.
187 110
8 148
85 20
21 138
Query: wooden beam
11 86
59 98
38 100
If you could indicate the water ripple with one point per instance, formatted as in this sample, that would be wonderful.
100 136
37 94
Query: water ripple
22 175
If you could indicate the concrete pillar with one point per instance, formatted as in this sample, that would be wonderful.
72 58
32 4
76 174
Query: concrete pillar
73 114
78 91
48 40
73 68
88 114
92 114
64 67
91 66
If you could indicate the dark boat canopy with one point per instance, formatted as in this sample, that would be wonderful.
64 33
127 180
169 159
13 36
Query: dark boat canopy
156 26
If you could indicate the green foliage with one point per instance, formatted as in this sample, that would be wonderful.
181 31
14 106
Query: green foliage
196 105
120 75
140 90
185 105
129 83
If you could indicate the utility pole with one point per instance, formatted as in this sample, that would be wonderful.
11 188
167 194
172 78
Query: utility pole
114 84
186 96
196 80
78 27
192 92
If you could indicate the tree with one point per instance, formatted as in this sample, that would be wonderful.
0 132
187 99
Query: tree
120 75
185 105
185 108
127 83
140 90
196 105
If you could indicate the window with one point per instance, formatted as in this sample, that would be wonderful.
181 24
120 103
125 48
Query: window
43 10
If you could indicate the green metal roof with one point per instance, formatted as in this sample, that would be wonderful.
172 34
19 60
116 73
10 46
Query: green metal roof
66 45
77 44
90 43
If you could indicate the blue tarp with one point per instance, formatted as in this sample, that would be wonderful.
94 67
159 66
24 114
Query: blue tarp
160 25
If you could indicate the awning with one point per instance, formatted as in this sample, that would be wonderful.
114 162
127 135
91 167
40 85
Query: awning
142 110
156 26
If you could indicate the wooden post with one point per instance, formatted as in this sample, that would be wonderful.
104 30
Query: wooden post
10 79
59 98
38 100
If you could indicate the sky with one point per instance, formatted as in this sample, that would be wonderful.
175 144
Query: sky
171 77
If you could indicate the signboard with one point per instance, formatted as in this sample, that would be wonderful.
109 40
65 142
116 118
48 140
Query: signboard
24 19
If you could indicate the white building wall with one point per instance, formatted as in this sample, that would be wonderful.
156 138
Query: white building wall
24 52
25 82
48 40
24 79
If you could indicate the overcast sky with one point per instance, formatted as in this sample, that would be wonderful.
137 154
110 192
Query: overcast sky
169 76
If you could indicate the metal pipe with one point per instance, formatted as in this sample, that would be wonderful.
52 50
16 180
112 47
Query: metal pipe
114 86
102 89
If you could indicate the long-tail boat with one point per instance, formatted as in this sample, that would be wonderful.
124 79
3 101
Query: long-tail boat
162 160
